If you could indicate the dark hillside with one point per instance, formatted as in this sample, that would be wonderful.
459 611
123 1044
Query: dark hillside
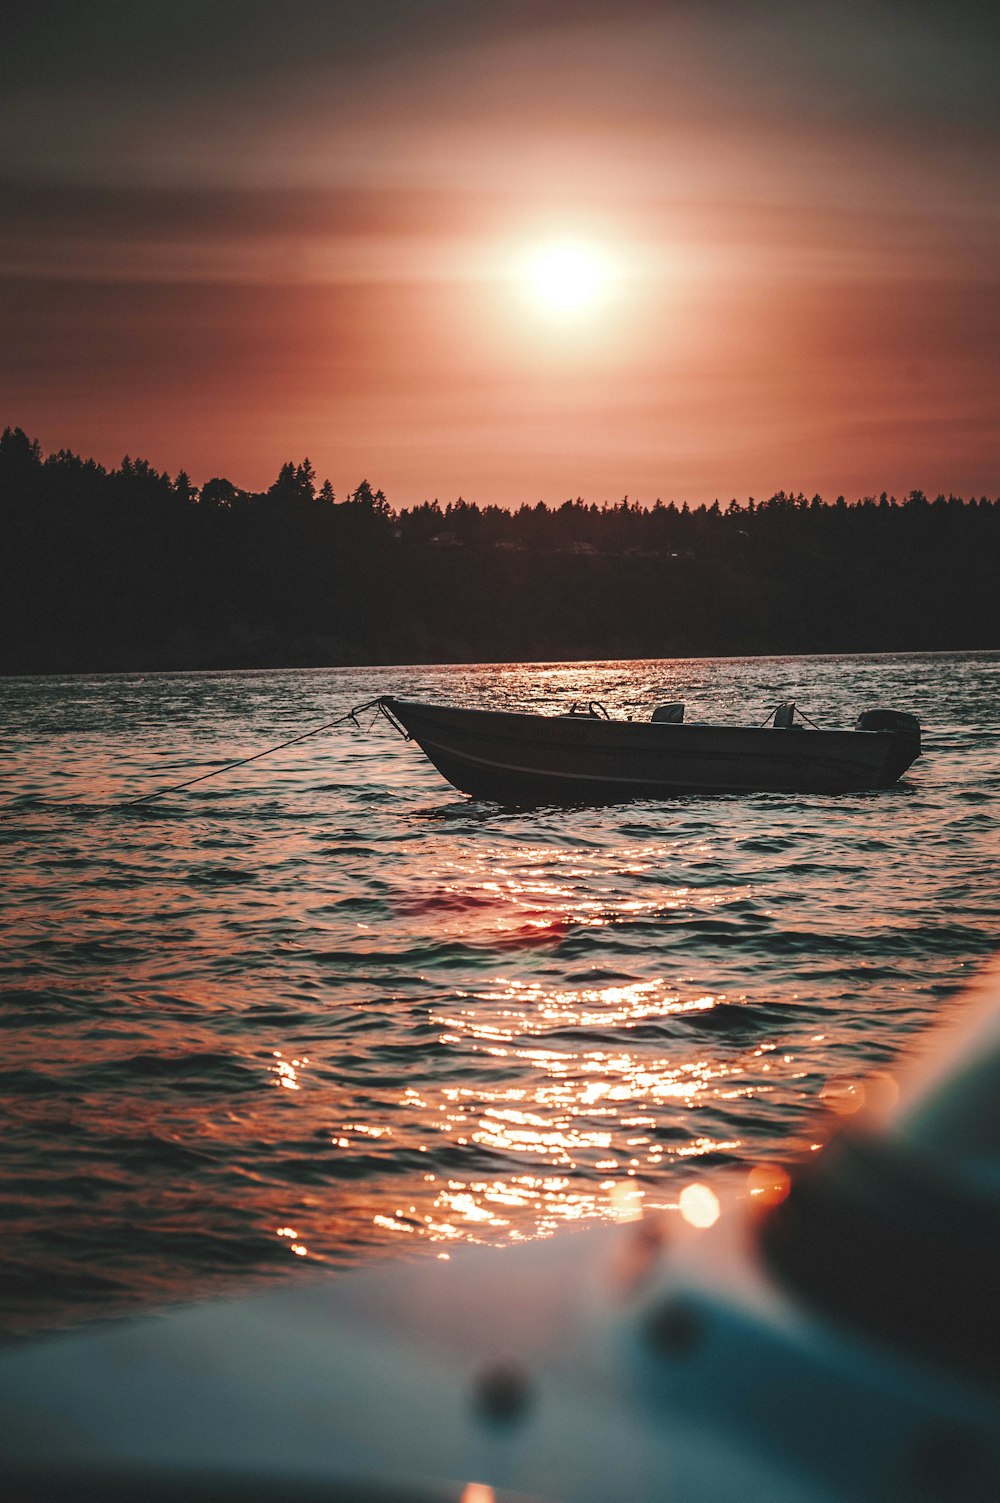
128 569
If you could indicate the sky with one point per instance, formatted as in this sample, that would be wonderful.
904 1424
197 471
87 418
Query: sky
508 249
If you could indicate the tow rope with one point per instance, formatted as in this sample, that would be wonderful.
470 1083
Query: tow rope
352 715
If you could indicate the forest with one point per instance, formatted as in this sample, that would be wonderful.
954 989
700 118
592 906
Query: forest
127 568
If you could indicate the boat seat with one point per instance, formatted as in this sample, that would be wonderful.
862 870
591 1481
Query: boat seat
668 714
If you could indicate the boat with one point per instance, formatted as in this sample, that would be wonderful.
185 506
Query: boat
585 756
825 1333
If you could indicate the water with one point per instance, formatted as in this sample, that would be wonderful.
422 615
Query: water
325 1008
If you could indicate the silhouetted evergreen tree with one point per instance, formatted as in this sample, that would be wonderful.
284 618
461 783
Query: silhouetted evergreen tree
128 568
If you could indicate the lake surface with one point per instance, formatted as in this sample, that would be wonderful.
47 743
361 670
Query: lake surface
323 1007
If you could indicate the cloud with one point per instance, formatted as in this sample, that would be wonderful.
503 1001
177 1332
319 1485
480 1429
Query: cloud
236 91
236 231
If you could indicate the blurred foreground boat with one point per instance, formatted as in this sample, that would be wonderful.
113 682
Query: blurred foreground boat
517 758
832 1336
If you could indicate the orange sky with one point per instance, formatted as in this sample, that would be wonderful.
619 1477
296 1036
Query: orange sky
235 235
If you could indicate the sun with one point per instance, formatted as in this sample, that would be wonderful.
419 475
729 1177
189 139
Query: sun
567 278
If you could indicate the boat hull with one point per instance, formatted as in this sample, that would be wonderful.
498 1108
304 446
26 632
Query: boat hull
516 758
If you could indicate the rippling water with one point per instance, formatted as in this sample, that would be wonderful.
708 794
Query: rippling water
324 1006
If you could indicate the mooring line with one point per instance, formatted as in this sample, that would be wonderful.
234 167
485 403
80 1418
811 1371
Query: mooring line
351 715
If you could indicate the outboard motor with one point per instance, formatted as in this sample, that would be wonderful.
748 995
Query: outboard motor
669 714
888 720
906 728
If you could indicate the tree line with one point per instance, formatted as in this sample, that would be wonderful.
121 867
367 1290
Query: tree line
105 569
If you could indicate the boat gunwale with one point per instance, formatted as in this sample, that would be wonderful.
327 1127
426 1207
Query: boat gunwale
659 728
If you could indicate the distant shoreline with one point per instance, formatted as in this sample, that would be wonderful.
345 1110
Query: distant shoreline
158 663
132 571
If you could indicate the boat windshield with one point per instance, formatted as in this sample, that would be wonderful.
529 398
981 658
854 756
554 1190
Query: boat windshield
895 1226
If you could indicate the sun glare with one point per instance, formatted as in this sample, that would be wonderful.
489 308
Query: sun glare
567 278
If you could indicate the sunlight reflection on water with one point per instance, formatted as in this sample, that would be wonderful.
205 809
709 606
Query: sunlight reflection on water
325 1006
